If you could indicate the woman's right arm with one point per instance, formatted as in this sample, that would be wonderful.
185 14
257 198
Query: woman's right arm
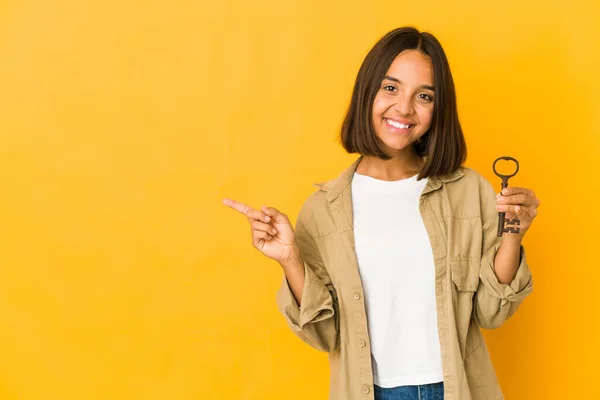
315 318
307 297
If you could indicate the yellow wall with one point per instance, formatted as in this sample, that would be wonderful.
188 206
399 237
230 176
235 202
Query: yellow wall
123 124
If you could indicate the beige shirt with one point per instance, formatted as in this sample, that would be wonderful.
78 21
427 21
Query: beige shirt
459 213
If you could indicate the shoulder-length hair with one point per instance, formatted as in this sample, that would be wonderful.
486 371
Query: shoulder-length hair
444 143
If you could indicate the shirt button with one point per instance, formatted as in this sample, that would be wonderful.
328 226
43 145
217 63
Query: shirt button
362 343
356 296
366 390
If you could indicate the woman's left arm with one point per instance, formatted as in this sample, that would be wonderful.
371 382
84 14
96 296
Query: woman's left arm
504 277
517 203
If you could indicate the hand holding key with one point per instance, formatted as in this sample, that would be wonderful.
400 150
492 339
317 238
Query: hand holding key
272 232
517 207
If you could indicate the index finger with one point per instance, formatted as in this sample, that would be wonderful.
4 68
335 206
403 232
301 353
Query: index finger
509 191
236 205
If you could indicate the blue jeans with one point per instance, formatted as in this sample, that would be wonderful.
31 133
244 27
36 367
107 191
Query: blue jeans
433 391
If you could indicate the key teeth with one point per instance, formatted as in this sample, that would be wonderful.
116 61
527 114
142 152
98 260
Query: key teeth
512 229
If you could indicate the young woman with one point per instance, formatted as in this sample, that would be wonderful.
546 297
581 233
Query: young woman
395 265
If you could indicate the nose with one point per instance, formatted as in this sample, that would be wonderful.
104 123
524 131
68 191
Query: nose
404 105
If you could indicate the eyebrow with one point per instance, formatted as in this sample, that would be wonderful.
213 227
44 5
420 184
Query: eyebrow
391 78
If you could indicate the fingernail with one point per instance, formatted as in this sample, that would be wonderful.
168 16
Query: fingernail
267 218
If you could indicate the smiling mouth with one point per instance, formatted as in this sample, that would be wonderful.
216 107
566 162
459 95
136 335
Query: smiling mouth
398 125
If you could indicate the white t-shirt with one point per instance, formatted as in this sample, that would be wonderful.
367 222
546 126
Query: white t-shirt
396 266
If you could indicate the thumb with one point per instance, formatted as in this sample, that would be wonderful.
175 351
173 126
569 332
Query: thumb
277 216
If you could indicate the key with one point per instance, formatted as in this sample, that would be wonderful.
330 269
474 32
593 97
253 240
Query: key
504 225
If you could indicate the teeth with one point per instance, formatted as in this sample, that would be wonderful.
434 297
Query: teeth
397 124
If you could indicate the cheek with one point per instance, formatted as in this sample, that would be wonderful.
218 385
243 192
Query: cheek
380 106
425 117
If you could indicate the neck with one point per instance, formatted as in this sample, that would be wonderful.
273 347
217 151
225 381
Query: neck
394 169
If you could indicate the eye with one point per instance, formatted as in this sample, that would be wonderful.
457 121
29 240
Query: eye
426 97
389 88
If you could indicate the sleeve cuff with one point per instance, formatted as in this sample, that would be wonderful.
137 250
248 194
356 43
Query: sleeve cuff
317 303
520 286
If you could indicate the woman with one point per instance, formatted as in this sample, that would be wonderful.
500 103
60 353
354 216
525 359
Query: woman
395 265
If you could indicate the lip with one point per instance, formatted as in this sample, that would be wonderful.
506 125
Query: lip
400 121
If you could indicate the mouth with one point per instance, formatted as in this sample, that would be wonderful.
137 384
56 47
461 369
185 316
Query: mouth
398 126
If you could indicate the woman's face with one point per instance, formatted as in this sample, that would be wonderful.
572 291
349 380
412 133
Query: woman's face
403 106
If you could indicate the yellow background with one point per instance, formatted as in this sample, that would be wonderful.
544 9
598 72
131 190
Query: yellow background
124 123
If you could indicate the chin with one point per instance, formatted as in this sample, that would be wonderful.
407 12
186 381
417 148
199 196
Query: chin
397 146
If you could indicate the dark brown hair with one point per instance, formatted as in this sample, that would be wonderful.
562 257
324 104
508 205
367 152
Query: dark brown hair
444 143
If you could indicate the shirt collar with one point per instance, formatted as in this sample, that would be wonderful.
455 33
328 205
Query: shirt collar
335 186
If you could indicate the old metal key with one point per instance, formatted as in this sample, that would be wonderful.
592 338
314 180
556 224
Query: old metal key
504 225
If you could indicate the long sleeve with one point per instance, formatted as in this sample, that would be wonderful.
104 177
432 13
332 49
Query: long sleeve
495 302
316 321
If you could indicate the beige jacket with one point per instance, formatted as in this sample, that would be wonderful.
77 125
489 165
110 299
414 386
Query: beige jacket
460 216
